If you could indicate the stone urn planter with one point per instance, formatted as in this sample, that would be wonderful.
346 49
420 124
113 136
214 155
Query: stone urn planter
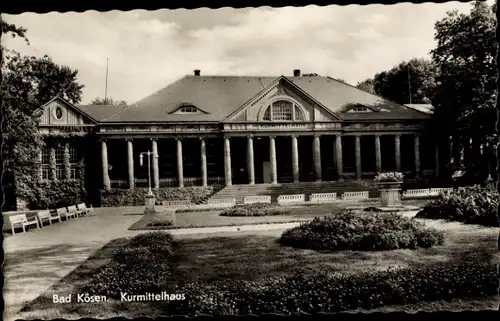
390 193
390 188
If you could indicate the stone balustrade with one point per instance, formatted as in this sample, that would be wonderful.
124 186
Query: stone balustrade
323 197
257 199
291 199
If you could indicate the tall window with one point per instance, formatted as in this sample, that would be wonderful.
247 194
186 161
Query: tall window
283 110
59 162
73 163
45 163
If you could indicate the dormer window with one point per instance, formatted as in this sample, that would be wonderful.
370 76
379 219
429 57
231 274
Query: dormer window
359 109
188 110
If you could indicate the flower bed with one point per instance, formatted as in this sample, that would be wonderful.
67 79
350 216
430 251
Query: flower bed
350 230
389 177
324 292
472 205
256 209
141 266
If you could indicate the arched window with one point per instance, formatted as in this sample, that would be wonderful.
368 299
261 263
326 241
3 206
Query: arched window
283 110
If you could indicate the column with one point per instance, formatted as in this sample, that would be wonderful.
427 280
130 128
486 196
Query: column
130 162
295 159
227 162
358 157
250 161
317 158
105 174
378 154
53 166
203 153
417 154
397 143
66 162
338 157
156 173
180 164
272 158
436 159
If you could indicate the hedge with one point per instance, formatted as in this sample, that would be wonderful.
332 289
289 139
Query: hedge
142 266
323 292
135 197
351 230
257 209
472 205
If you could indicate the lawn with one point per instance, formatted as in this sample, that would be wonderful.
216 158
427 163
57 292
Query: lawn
212 218
257 256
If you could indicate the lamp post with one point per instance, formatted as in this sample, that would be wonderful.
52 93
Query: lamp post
150 199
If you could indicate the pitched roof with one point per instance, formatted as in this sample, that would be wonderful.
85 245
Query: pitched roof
219 96
425 108
100 112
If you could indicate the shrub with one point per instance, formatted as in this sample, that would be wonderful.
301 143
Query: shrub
141 266
471 205
349 230
256 209
324 292
161 222
135 197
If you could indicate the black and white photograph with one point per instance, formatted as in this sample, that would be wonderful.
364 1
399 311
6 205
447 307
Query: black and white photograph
252 161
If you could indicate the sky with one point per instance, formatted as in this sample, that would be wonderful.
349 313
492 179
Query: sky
147 50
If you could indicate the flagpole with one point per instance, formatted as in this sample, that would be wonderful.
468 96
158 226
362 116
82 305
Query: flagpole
106 89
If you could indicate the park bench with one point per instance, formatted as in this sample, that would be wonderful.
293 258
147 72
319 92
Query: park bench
75 211
63 213
47 216
20 220
84 209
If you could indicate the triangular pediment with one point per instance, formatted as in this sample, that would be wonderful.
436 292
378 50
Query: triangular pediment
60 112
282 90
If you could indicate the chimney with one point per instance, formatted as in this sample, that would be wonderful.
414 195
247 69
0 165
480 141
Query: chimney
197 72
296 73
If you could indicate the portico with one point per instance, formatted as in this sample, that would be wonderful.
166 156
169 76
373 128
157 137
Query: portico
264 156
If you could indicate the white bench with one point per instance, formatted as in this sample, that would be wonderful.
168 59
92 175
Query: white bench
355 196
424 192
257 199
47 216
291 199
63 213
221 202
323 197
73 210
84 209
20 220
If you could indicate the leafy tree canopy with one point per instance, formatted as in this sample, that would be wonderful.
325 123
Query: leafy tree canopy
466 86
367 85
109 101
28 83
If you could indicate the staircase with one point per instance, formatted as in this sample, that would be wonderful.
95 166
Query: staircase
274 190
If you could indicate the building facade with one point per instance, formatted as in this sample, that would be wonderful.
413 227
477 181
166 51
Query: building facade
206 130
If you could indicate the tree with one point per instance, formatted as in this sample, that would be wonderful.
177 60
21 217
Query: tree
367 85
108 102
466 89
27 83
408 82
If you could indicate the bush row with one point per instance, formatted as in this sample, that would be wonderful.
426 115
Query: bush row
135 197
352 230
337 292
54 194
473 205
256 209
141 266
